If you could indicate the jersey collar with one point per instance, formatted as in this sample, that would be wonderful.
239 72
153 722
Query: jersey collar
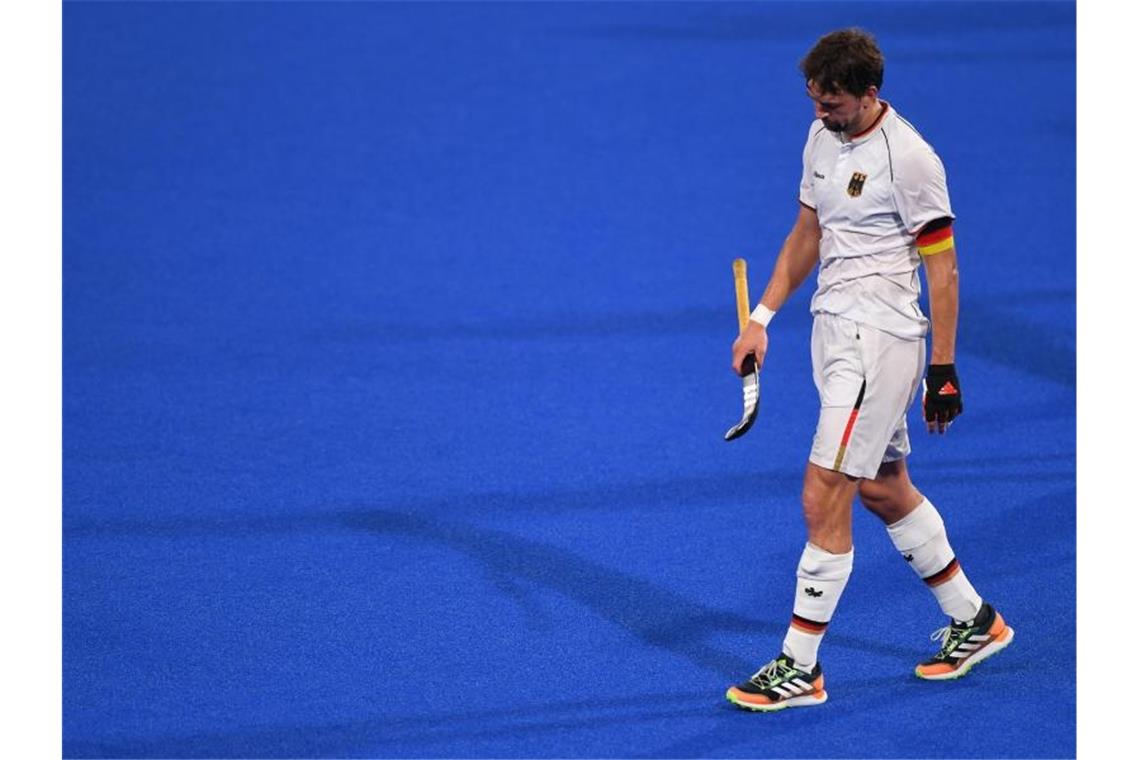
867 133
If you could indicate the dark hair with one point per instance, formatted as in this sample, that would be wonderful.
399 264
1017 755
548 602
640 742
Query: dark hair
847 60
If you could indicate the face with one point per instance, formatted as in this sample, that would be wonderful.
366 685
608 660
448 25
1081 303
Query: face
840 111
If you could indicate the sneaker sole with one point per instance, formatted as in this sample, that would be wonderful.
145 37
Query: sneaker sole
982 654
808 700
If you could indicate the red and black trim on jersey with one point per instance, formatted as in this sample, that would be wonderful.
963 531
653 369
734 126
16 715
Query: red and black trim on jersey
878 120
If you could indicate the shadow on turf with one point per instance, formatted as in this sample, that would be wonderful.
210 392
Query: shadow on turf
657 616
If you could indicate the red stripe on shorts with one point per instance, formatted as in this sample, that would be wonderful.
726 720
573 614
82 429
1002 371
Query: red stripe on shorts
850 426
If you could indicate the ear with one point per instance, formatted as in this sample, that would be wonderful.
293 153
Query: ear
869 97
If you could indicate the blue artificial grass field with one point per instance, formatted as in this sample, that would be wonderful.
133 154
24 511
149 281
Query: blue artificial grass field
396 365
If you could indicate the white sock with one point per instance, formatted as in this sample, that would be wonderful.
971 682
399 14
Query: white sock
820 580
921 538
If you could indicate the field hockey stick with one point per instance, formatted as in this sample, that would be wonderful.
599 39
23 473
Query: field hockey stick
751 379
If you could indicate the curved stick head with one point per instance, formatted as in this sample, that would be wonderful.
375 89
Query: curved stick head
751 387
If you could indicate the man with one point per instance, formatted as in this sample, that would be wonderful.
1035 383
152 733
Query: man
873 204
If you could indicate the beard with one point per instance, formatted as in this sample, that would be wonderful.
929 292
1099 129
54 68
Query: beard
833 126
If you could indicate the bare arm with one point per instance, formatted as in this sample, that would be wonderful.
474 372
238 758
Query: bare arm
942 401
797 258
923 203
942 283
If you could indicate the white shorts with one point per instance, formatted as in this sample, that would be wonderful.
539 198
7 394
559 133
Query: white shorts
867 380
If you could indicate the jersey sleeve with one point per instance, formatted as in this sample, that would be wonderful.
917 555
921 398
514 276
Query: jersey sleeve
807 191
920 189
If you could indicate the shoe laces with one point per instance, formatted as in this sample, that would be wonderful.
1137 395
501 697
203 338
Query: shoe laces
951 636
771 674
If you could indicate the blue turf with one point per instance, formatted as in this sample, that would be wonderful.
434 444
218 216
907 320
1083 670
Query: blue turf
396 345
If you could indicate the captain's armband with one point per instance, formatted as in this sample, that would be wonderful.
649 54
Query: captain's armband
936 237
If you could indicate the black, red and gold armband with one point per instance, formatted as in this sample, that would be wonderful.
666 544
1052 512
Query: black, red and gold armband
935 241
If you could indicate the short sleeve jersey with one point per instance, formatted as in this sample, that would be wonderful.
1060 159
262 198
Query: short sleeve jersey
873 194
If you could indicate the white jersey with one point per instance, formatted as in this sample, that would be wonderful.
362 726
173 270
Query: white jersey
873 193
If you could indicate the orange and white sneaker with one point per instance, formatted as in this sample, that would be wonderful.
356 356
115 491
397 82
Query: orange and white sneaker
778 685
966 644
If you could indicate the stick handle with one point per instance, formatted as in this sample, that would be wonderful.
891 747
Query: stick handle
743 305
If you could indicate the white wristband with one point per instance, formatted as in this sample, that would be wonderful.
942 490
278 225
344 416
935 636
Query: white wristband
762 314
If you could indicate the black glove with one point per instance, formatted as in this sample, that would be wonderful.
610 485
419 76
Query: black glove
942 401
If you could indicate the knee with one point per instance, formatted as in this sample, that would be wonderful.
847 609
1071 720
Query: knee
876 498
890 496
821 505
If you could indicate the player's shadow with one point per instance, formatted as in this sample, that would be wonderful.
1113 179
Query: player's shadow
656 616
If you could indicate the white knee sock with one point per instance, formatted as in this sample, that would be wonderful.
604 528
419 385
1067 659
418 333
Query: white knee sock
821 578
921 538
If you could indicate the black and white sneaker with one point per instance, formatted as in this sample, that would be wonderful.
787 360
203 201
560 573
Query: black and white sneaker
778 685
965 644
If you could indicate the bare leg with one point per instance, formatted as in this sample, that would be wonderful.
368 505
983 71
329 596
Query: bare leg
827 500
890 496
